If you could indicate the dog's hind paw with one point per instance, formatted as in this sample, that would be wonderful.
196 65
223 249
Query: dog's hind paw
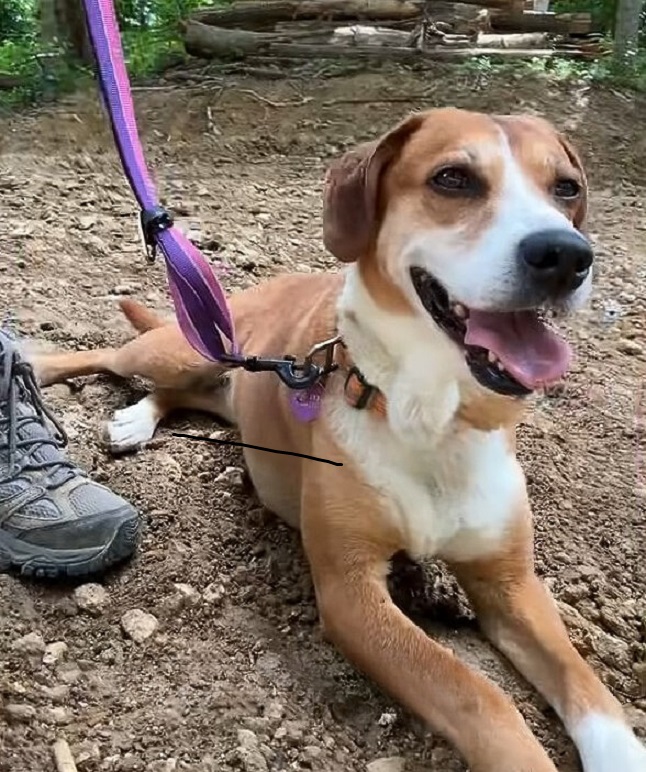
131 427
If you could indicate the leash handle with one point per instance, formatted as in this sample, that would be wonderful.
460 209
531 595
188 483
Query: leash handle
200 303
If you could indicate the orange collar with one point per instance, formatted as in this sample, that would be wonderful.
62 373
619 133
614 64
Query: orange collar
362 395
358 393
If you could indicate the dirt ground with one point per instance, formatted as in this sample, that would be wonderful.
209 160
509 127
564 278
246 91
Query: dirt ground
237 675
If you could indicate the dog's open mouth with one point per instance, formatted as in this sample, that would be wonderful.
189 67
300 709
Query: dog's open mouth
512 353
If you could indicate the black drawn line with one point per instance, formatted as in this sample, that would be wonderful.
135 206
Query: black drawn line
254 447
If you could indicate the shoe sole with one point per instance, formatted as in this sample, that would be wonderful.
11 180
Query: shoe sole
39 563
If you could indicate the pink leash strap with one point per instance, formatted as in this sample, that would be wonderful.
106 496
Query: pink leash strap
200 302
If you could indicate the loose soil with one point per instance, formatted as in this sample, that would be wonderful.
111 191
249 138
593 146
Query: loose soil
236 675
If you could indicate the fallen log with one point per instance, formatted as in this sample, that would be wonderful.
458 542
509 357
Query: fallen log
359 35
514 40
212 47
259 14
264 14
296 51
555 23
208 42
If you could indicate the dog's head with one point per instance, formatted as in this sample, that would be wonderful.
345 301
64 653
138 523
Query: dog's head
476 222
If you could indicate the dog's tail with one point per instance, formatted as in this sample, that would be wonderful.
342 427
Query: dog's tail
140 317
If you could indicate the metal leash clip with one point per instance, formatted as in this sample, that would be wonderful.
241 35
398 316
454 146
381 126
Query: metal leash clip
295 375
151 223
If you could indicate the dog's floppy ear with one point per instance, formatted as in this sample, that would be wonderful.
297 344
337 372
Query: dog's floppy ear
581 212
351 192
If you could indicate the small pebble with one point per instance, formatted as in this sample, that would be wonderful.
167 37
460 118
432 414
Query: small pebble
123 289
249 753
389 764
68 672
32 643
188 594
58 715
54 652
630 347
139 625
164 765
214 593
91 598
21 713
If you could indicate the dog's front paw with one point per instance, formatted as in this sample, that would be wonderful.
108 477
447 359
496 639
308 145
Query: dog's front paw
606 744
131 427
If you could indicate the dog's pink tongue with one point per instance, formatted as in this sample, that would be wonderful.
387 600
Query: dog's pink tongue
528 349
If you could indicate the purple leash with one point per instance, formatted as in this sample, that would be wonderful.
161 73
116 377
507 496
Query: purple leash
200 303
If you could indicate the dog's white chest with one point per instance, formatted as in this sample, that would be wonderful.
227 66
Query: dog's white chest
455 500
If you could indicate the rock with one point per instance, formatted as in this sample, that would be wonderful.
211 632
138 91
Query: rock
20 713
54 652
387 719
86 754
233 475
214 593
292 731
123 289
58 693
58 715
91 598
31 644
249 753
139 625
630 347
312 753
68 672
188 594
164 765
274 711
390 764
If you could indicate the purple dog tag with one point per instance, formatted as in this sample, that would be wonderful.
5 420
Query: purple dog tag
306 403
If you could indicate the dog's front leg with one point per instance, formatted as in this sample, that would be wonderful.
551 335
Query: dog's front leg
521 618
348 545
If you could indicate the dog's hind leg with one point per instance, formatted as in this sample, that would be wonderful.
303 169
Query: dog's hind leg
182 378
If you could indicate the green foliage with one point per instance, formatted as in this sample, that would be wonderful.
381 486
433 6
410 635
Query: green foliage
602 70
150 36
16 19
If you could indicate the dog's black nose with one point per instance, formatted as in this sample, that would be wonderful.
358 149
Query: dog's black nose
557 261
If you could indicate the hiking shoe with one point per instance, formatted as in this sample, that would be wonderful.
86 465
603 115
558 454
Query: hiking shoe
54 520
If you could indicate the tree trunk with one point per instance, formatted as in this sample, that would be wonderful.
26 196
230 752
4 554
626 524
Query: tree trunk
627 29
63 23
48 22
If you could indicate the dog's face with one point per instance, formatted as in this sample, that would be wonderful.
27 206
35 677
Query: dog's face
475 222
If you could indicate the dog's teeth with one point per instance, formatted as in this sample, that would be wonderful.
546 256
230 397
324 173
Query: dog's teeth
500 366
459 310
492 357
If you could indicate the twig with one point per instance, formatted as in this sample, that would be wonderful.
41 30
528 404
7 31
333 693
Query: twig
271 103
63 756
377 101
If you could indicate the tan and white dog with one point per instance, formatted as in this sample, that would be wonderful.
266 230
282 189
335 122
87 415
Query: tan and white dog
459 229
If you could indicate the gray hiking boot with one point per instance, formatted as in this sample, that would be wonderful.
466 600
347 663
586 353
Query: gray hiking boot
54 520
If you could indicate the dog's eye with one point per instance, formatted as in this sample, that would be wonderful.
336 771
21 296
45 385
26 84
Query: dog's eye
566 189
455 180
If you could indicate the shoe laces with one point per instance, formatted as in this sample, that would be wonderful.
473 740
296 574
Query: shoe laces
18 385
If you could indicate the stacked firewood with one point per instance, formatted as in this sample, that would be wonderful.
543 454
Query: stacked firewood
403 30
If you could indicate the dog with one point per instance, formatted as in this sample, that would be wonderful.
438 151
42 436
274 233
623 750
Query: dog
460 231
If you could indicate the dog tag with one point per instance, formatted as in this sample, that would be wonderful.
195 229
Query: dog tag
306 403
